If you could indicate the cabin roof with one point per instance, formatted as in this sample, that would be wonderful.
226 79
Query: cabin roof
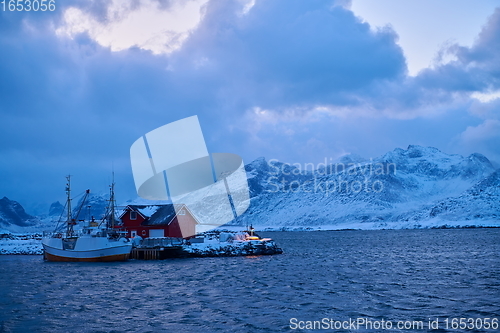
157 214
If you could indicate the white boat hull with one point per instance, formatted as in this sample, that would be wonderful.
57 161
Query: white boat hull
87 249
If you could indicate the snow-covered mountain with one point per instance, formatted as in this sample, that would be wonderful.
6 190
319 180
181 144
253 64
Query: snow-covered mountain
95 205
56 209
479 203
412 188
13 216
416 187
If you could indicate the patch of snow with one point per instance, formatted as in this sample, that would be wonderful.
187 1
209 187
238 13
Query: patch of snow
21 244
148 211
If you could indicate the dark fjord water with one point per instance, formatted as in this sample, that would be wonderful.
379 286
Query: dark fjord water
392 275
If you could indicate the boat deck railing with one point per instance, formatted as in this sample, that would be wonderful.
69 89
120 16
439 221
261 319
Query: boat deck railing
87 231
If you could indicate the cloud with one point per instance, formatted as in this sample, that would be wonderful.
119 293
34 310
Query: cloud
327 59
489 129
160 27
476 69
484 137
486 97
308 53
446 87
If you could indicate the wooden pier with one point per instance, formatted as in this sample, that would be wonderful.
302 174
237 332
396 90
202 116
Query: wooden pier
164 248
157 254
158 249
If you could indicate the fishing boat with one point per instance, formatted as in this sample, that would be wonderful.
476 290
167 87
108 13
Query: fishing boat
92 241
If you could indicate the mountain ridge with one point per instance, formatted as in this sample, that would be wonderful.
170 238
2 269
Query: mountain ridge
405 188
422 178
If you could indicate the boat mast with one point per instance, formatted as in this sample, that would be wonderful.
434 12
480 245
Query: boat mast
69 221
112 220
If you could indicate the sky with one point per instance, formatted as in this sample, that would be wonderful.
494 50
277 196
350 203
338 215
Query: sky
293 80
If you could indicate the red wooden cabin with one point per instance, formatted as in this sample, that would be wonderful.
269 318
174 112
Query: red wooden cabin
158 221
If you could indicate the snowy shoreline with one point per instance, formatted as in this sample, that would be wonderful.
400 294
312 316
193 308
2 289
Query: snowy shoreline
31 243
430 224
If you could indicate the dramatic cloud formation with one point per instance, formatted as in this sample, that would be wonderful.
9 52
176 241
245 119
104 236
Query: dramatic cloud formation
160 27
288 79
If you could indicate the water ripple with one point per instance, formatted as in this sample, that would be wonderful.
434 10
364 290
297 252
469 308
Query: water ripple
392 275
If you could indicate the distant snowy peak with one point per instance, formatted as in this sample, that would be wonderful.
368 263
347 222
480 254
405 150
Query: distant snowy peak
352 159
430 161
12 213
262 175
417 160
409 187
424 162
404 188
94 206
56 209
477 164
257 164
415 155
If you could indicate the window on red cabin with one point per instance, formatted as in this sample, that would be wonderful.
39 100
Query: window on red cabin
182 212
133 215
